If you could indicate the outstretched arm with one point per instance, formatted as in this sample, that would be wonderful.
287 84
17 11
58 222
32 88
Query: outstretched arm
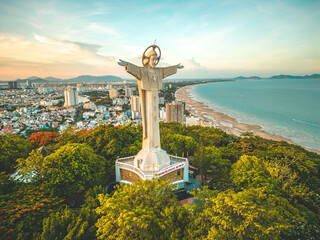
131 68
122 63
180 66
168 71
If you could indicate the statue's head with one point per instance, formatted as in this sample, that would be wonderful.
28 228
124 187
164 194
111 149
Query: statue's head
151 59
152 55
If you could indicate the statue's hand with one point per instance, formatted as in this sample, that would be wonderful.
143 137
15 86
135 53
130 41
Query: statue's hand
180 66
122 63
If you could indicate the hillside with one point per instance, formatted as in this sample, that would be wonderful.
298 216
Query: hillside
255 188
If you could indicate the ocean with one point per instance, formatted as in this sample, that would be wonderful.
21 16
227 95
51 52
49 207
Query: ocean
285 107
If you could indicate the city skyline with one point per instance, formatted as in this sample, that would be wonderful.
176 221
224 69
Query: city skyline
211 39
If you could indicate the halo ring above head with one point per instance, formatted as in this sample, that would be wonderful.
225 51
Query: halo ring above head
144 57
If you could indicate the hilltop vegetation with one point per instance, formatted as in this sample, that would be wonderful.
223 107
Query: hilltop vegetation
254 188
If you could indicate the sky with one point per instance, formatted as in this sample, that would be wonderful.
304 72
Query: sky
211 38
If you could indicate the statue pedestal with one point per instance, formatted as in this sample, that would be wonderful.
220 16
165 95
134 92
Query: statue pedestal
153 160
153 164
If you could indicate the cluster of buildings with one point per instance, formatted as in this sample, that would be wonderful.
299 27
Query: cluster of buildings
33 118
59 106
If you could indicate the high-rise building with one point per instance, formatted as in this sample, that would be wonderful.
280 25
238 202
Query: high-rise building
12 84
135 115
175 112
71 97
44 89
135 104
113 93
80 87
29 83
128 92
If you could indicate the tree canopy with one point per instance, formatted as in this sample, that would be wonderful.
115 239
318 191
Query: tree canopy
254 188
12 147
249 214
72 168
144 210
43 138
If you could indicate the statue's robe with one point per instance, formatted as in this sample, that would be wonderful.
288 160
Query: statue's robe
149 84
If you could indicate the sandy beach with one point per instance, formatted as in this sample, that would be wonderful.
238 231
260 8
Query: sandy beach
223 121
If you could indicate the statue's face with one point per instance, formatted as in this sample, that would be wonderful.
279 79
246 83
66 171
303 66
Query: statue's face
153 60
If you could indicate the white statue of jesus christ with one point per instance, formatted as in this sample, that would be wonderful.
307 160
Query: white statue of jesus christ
149 83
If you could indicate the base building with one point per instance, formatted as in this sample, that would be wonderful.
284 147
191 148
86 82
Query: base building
164 166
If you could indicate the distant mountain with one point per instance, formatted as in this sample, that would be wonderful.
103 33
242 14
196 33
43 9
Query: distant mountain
52 79
282 76
32 80
240 77
285 76
88 78
295 77
314 76
252 77
111 78
82 78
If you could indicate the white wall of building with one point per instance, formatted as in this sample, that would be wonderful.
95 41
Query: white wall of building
71 97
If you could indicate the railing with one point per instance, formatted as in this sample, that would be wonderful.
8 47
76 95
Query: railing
174 161
178 159
125 159
127 163
131 168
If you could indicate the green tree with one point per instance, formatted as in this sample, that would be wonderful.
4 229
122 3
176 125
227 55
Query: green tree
144 210
108 141
201 162
297 160
279 179
29 168
179 144
23 210
12 147
57 224
250 214
73 168
70 224
132 149
220 168
250 171
68 136
231 152
6 183
75 224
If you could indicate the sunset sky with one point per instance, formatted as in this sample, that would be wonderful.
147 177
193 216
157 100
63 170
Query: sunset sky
212 38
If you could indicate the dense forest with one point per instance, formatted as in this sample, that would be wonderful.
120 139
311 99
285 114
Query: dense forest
53 186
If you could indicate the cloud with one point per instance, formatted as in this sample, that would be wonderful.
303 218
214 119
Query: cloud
70 46
95 27
190 64
55 57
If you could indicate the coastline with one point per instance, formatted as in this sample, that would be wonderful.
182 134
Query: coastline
231 125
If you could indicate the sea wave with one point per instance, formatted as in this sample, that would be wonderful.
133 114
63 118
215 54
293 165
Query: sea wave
302 138
307 123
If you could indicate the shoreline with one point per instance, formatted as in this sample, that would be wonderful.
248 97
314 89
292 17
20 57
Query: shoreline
225 122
